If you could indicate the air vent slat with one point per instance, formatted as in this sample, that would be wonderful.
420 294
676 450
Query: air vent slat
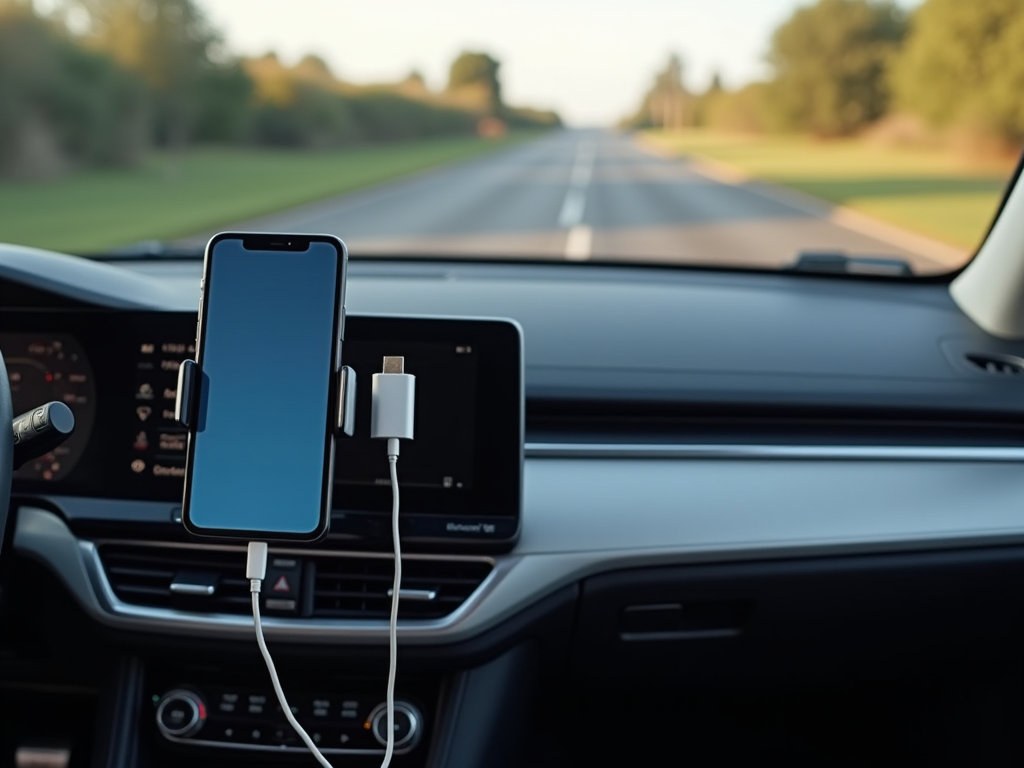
143 576
345 590
340 595
997 365
362 578
142 572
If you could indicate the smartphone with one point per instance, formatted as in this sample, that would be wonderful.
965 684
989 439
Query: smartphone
260 458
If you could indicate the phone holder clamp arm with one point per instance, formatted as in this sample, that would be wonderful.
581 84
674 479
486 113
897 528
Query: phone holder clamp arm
185 406
188 396
346 424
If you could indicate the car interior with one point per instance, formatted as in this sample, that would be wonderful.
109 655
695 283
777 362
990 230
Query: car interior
717 517
607 385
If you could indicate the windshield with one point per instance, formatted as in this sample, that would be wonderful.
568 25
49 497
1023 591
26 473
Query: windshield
837 135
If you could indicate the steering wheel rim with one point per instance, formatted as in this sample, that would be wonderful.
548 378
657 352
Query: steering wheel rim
6 447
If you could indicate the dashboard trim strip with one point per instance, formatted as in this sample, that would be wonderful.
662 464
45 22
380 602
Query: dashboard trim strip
794 452
280 749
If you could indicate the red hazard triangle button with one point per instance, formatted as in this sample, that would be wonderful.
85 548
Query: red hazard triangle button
282 585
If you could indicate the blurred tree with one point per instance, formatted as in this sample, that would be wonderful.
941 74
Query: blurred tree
313 68
223 106
740 111
528 117
300 106
475 75
702 103
62 106
830 61
172 46
667 104
414 85
964 64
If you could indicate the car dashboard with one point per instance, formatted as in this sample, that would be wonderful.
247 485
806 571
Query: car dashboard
739 485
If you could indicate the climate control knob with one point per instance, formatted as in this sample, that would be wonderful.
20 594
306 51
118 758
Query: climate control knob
408 724
180 714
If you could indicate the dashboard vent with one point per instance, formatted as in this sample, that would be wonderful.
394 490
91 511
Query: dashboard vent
204 580
347 588
1000 365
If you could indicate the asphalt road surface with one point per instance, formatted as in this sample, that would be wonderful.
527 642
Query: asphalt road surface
597 195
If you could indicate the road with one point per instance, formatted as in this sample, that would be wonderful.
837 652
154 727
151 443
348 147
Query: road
597 195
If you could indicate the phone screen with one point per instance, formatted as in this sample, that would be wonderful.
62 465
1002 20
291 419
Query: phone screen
261 456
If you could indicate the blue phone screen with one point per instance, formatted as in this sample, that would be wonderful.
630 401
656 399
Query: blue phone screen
259 456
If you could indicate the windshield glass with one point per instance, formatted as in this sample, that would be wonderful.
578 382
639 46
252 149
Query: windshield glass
743 133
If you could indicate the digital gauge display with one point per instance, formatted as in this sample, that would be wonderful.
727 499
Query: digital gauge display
45 368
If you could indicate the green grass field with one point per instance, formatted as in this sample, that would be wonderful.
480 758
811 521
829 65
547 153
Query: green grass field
91 211
929 191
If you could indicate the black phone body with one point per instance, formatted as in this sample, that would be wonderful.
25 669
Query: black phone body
260 456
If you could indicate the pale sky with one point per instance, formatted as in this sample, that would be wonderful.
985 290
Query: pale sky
589 59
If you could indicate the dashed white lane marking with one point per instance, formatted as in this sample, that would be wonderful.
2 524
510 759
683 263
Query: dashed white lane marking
580 237
573 207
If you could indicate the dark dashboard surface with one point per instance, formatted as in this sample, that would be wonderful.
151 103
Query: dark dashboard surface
598 333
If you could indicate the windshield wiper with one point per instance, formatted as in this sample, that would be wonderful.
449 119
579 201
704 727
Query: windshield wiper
832 263
150 249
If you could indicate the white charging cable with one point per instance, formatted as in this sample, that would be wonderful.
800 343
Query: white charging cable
392 417
255 572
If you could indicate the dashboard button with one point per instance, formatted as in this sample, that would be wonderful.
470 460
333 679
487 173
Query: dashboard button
408 723
288 738
321 708
180 714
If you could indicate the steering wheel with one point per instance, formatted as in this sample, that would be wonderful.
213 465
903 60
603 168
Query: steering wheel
6 447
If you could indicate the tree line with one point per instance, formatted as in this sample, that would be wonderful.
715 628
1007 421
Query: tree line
840 67
101 82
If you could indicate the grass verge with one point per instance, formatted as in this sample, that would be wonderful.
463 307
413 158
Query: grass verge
930 191
94 210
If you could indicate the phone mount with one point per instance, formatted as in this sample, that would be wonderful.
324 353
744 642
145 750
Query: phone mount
187 401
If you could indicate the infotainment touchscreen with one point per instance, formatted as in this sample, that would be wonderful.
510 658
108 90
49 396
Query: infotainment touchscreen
461 475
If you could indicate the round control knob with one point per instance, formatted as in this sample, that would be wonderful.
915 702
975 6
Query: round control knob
180 714
408 724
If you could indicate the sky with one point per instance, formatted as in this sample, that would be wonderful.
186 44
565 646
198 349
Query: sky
591 60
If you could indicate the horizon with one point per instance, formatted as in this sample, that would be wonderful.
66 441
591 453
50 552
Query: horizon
541 66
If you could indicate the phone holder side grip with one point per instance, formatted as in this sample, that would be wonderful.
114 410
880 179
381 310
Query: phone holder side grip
185 403
346 401
188 397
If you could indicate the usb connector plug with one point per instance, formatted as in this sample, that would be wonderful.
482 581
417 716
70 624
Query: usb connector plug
393 404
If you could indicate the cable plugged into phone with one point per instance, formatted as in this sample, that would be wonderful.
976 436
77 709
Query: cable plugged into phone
392 416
